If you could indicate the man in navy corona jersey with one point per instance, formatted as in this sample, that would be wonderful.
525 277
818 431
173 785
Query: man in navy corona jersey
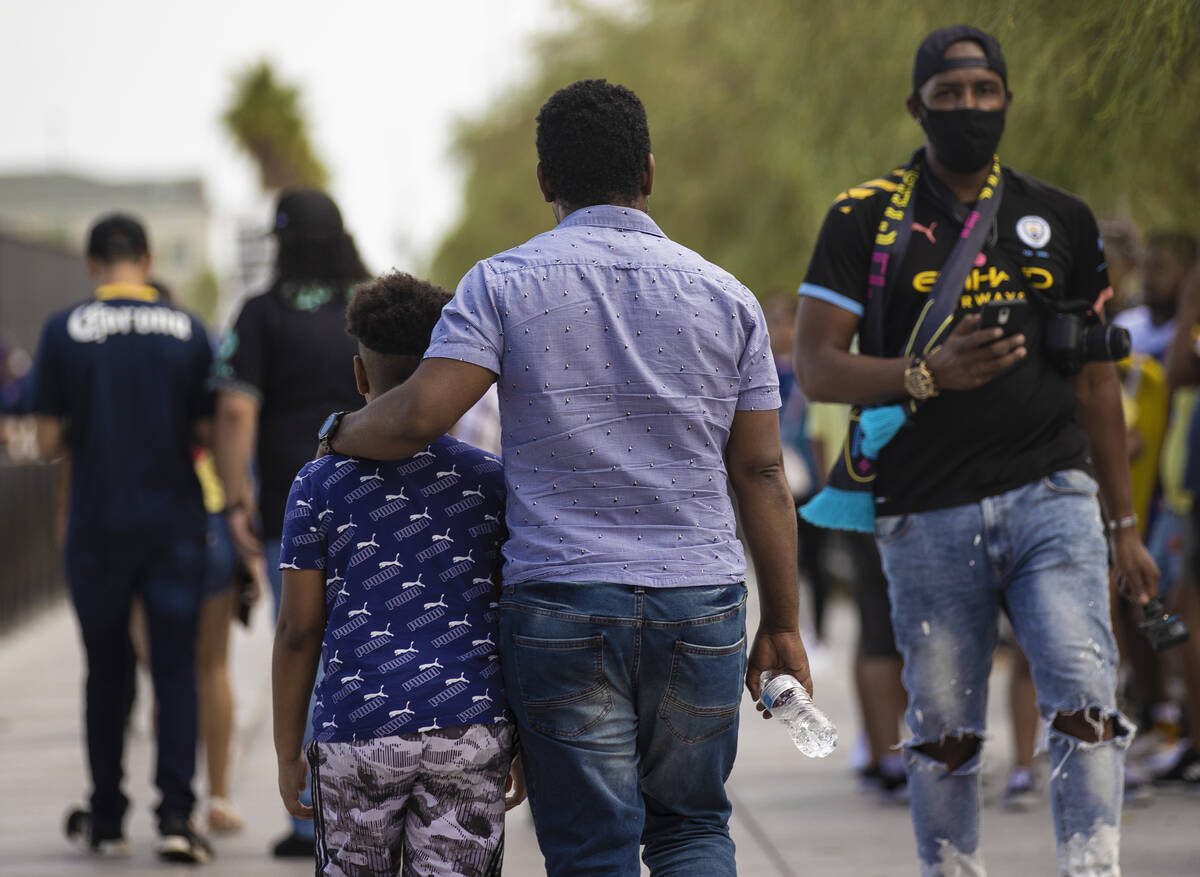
120 386
391 580
984 498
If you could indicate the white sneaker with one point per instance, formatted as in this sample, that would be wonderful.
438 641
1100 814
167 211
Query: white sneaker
78 829
179 842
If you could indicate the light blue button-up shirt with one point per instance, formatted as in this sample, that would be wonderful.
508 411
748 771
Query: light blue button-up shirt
621 358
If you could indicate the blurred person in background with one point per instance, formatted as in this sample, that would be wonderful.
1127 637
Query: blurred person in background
1123 247
14 380
279 371
972 452
480 426
1021 790
1157 419
1151 324
228 584
120 385
877 672
1182 572
224 587
802 471
15 364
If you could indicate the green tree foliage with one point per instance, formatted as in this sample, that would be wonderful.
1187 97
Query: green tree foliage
760 113
203 295
266 120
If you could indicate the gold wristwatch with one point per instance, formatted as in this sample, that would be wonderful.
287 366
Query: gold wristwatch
919 380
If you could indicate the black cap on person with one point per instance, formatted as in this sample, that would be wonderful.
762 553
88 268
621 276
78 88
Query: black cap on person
929 58
307 213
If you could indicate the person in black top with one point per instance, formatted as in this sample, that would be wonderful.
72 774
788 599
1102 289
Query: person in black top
120 385
984 495
279 371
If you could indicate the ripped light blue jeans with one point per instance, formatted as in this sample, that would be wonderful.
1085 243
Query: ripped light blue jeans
1038 553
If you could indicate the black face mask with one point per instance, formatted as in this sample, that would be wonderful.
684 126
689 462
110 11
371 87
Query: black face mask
964 140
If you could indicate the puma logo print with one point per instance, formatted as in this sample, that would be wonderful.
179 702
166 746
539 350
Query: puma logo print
928 232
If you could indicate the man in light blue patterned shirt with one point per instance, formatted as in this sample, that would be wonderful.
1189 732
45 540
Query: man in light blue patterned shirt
636 386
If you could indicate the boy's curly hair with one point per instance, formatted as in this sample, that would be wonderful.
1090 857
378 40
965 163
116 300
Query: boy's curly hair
395 314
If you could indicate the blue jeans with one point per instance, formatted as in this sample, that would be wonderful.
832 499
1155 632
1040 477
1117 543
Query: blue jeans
1039 553
627 703
302 827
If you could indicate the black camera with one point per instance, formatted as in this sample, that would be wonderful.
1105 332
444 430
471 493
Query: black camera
1071 341
1163 629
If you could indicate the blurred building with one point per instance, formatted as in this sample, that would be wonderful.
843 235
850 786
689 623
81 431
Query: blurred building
36 280
58 209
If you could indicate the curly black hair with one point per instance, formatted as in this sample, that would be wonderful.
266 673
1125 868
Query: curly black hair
593 141
395 314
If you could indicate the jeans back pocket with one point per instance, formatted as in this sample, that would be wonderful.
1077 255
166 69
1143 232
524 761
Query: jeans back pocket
704 691
562 686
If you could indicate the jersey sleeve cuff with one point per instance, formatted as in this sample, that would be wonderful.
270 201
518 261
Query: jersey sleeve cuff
834 298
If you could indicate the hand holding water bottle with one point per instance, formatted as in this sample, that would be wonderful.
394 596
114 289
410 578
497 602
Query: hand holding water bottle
776 650
778 662
812 731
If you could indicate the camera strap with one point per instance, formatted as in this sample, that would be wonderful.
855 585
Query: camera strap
978 225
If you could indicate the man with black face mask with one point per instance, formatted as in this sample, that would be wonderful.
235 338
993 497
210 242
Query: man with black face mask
976 460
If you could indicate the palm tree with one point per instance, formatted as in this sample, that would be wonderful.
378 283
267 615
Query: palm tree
266 120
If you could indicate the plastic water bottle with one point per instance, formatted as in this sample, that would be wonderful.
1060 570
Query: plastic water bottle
788 701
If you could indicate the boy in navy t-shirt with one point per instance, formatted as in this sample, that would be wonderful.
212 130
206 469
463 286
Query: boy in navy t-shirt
389 578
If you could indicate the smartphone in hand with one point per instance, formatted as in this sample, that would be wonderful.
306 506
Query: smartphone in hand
1007 315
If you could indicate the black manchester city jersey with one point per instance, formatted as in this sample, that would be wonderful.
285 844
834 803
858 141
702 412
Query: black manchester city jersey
963 446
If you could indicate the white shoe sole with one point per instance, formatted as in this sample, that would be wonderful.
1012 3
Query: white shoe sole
106 849
177 848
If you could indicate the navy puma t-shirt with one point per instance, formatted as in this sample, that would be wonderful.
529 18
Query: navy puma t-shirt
411 553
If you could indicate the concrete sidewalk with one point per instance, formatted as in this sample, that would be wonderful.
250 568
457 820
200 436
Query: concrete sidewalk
792 816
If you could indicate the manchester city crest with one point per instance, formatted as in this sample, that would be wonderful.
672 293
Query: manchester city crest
1033 231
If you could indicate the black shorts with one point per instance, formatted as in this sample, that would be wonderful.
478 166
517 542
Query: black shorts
876 637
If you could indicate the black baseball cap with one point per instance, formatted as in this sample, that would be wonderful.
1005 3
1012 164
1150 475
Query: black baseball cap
929 60
307 213
117 237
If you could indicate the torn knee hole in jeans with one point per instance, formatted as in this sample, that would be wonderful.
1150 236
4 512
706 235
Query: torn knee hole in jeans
1097 719
956 750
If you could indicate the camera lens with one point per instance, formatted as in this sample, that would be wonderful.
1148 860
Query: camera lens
1105 344
1119 343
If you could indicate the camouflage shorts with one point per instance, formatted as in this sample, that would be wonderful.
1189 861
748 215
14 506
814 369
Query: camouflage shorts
416 804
